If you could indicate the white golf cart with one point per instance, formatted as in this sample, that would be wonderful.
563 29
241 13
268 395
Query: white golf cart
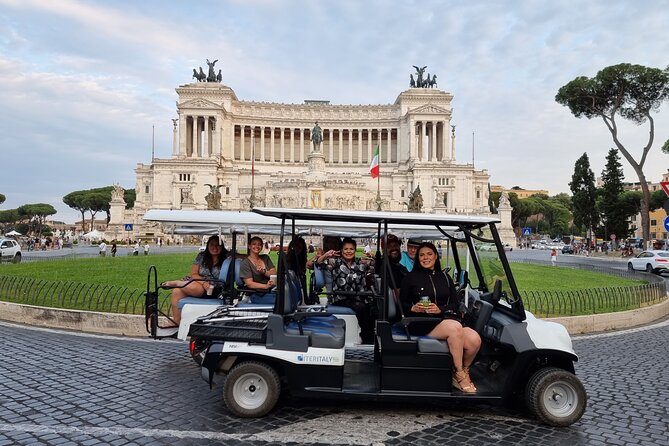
304 347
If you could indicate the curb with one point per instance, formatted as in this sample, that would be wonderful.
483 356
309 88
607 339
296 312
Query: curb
134 326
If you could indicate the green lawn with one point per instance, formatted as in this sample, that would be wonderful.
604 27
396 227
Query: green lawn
130 271
115 284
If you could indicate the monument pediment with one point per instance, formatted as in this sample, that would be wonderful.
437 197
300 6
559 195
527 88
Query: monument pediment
201 104
429 109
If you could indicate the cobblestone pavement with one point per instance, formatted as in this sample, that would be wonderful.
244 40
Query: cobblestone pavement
62 388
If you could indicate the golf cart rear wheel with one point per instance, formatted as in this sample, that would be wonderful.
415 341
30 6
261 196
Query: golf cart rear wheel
556 397
251 389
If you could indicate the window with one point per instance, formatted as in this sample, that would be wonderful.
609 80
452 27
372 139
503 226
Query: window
227 190
653 222
184 177
402 193
146 189
478 194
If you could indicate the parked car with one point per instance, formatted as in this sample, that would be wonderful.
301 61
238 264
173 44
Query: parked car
651 261
10 251
567 249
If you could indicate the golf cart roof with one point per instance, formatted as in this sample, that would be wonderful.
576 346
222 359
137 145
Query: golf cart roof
313 222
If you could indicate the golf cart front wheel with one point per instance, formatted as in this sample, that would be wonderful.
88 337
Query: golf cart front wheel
251 389
556 397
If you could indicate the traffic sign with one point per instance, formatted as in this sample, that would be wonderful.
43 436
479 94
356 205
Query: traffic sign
128 226
665 186
666 223
527 232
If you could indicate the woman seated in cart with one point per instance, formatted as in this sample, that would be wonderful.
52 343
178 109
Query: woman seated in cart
205 271
428 291
256 271
349 276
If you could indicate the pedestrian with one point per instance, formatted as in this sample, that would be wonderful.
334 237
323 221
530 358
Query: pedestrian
146 248
103 248
135 249
553 256
113 249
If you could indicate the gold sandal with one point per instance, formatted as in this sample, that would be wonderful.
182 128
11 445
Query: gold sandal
466 370
458 381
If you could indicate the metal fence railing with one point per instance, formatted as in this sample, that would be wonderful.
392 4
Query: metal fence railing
75 295
596 300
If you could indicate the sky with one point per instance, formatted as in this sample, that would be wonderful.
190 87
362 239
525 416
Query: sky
87 87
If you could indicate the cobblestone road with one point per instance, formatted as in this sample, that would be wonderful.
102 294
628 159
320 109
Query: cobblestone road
62 388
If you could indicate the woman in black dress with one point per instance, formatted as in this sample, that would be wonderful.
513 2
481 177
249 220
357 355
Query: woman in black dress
427 291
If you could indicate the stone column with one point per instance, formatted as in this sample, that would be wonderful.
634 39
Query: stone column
389 142
422 140
412 139
242 142
369 145
183 126
271 145
340 147
292 145
206 147
195 151
302 145
433 142
350 146
444 141
262 143
360 160
282 145
331 148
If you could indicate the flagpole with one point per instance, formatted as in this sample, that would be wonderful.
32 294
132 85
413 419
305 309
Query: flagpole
252 198
378 181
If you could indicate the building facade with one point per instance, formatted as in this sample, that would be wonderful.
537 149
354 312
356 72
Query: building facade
229 153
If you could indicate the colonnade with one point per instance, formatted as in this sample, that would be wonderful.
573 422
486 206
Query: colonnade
431 141
202 136
291 144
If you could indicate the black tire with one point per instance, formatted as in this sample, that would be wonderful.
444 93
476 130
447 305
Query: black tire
630 267
649 268
17 258
556 397
251 389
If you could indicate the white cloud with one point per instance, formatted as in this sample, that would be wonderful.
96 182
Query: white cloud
83 82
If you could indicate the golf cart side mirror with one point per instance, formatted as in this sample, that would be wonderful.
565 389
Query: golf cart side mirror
463 278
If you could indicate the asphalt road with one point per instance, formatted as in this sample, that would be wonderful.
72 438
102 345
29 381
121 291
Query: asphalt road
65 388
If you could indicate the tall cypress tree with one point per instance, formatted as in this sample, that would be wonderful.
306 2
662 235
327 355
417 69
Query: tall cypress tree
582 185
614 209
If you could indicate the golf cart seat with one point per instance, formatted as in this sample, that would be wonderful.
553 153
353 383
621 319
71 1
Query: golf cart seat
223 282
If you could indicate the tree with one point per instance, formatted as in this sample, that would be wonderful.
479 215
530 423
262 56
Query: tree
36 213
631 91
613 205
583 191
2 198
75 200
8 218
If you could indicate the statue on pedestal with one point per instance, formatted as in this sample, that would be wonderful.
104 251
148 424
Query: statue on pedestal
213 198
416 200
317 137
211 76
117 193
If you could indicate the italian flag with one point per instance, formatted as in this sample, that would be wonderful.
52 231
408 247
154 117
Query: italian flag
374 167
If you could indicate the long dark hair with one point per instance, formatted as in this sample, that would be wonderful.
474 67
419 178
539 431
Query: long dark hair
437 263
297 254
207 258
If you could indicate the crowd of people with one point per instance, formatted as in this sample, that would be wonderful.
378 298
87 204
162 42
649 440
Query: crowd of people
423 289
